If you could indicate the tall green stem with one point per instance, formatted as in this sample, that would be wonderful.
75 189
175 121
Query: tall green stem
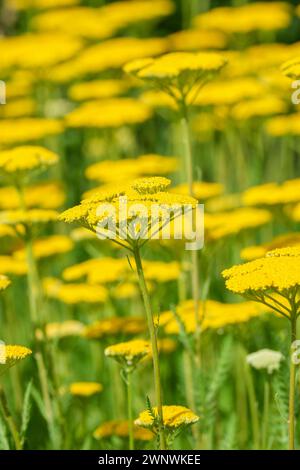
292 384
266 414
129 410
188 157
253 407
153 338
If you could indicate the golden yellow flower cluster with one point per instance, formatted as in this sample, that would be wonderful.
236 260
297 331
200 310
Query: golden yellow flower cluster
179 74
129 354
277 271
121 429
25 159
264 16
85 389
258 251
122 171
173 417
115 326
11 355
225 224
4 282
142 196
272 194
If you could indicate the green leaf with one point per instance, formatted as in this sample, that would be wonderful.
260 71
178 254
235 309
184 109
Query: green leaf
26 412
4 444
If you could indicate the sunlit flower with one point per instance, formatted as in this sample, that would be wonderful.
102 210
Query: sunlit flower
98 89
25 159
4 282
11 355
48 246
258 251
121 429
108 171
18 131
85 389
173 417
109 113
129 354
115 326
255 16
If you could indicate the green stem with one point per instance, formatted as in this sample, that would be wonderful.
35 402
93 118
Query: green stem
129 410
266 414
253 407
153 338
188 157
292 385
9 420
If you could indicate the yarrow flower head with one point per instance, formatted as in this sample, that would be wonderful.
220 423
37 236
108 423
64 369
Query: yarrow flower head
4 282
11 355
129 354
132 214
175 419
179 74
22 160
85 389
273 280
121 429
265 359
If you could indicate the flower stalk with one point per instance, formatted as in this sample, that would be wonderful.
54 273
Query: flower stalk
153 338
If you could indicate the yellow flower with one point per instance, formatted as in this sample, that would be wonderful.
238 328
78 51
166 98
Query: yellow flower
201 190
36 195
24 159
109 113
11 355
4 282
263 16
48 246
291 68
121 429
143 204
173 417
122 171
212 315
97 89
272 194
73 294
17 131
225 224
39 4
115 326
112 54
85 389
253 252
284 125
192 39
9 265
18 108
38 50
103 22
262 107
179 74
5 230
278 271
28 218
229 92
63 329
129 354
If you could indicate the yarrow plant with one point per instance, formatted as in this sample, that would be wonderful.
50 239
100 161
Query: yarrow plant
176 418
132 228
274 281
128 355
